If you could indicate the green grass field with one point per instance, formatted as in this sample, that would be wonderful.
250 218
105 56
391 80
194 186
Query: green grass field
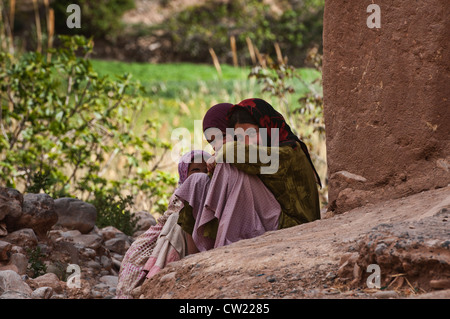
179 93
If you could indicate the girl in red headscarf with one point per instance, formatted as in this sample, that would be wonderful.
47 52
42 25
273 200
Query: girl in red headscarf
293 182
228 205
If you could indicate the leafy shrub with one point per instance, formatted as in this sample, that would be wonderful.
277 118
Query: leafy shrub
36 267
115 212
69 132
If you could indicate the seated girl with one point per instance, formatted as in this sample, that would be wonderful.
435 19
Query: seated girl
231 205
293 183
240 201
132 271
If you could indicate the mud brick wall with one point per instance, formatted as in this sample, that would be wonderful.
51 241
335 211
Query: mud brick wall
387 99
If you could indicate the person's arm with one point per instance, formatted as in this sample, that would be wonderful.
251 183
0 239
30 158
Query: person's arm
256 159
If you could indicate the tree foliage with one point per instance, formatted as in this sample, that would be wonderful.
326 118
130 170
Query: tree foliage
297 28
69 132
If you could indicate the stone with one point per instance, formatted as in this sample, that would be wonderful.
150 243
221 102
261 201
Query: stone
57 268
42 293
5 249
439 294
49 280
11 202
70 233
386 100
70 249
106 262
118 245
168 277
76 214
11 281
349 177
110 281
38 214
109 232
105 272
94 265
10 267
14 295
25 237
144 220
20 261
88 252
386 294
440 284
350 198
96 294
3 230
92 241
116 263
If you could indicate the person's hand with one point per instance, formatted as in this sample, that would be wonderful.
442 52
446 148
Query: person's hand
211 164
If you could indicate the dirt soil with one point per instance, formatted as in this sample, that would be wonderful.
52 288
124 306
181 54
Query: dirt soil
408 238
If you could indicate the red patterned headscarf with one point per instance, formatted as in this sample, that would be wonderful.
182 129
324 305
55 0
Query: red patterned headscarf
267 117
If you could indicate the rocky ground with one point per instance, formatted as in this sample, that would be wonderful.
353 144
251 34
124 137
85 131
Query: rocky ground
408 239
51 249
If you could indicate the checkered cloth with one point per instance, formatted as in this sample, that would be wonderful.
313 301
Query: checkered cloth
132 272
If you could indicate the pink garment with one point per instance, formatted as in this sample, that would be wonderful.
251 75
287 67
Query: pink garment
170 246
153 268
194 191
241 202
132 273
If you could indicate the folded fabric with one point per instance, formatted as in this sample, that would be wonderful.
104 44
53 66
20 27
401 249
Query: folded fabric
170 246
236 204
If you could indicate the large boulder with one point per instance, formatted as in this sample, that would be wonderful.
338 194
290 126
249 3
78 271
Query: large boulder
76 214
11 202
144 220
386 100
25 237
38 214
48 280
11 281
20 261
118 245
81 241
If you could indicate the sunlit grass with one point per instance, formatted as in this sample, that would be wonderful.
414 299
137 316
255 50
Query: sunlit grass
179 93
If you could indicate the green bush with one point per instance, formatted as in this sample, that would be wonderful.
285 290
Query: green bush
69 132
115 212
36 267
